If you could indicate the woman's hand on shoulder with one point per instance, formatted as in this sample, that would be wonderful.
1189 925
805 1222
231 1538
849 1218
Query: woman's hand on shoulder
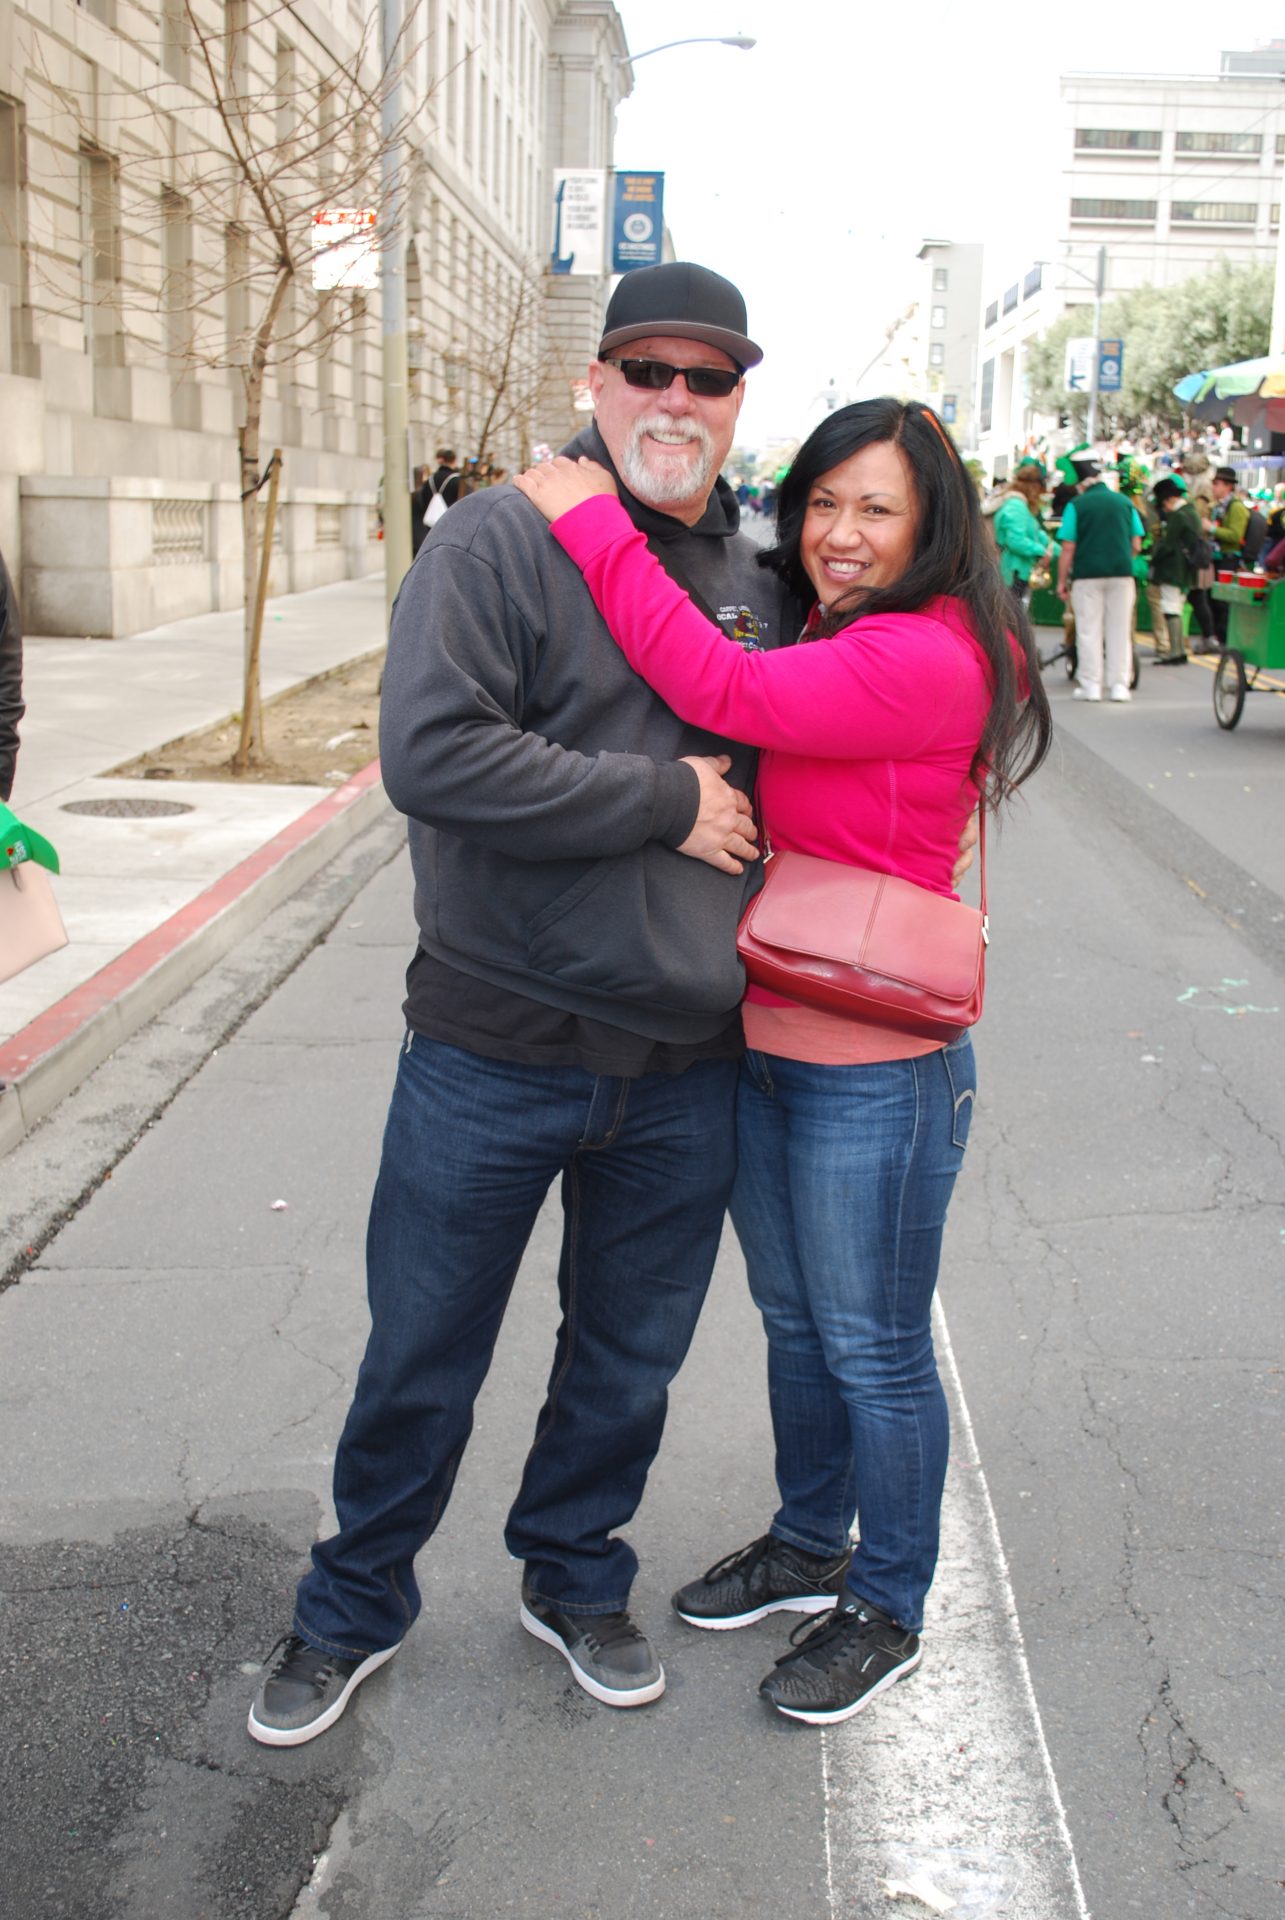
555 486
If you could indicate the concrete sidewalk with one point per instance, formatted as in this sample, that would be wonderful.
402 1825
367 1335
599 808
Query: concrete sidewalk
149 900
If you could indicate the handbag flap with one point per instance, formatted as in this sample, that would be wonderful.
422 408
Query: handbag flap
850 916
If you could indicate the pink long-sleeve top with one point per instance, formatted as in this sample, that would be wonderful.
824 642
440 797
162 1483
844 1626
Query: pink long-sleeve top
866 738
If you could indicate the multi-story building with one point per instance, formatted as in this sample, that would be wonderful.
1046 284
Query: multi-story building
134 271
1167 173
931 346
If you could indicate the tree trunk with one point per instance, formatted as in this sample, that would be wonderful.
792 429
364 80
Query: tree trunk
250 750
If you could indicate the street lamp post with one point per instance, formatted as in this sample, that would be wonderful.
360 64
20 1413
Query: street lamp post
740 40
397 541
1097 280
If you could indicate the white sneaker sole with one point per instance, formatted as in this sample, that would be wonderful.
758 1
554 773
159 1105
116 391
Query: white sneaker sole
818 1603
269 1736
832 1716
609 1696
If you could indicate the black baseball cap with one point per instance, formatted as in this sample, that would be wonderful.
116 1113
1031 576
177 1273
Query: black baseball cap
686 301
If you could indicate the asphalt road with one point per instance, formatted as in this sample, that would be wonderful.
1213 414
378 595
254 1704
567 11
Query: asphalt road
1096 1728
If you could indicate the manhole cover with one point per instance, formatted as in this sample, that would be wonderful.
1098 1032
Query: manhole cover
128 809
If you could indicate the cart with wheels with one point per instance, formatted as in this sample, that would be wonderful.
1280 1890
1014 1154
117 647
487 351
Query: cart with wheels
1047 609
1255 642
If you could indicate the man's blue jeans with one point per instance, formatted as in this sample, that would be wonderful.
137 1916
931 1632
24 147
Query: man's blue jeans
471 1148
845 1176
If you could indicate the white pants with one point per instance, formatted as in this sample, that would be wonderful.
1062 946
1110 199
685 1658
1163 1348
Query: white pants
1103 611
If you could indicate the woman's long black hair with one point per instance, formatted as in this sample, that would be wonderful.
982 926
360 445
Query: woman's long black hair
951 556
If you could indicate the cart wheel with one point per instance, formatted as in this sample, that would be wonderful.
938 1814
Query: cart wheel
1229 688
1133 669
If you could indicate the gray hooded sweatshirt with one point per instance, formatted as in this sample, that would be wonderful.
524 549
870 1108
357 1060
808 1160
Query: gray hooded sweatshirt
540 775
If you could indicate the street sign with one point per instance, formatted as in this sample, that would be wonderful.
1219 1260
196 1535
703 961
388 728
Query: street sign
1080 353
345 249
579 220
638 224
1079 364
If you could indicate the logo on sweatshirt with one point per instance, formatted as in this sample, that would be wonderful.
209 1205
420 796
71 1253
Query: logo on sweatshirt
744 628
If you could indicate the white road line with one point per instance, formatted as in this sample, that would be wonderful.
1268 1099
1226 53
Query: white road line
951 1769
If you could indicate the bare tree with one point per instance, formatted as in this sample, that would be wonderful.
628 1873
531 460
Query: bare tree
220 168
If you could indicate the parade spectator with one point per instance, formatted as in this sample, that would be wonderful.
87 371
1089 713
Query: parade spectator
1100 535
1176 551
11 702
1197 473
1230 521
1019 537
878 738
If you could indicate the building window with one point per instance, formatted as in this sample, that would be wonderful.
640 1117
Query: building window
1010 298
992 313
941 279
1217 213
100 254
938 317
1251 143
11 208
1113 209
175 40
936 354
1280 146
1274 219
987 394
1033 282
1118 139
176 269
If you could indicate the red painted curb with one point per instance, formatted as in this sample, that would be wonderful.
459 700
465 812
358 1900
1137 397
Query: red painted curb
59 1023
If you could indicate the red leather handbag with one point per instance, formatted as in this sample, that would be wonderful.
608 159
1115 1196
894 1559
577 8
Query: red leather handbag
867 945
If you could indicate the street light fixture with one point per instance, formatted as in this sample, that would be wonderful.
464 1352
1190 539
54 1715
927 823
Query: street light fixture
740 40
1097 280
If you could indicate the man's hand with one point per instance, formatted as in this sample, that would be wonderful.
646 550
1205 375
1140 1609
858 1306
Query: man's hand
555 486
725 834
967 841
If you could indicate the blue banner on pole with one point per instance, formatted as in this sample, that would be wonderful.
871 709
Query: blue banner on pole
1110 365
638 221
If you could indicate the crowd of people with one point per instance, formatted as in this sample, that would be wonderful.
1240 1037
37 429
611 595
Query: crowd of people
1161 520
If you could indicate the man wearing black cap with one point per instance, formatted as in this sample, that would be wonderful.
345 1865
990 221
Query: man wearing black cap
580 860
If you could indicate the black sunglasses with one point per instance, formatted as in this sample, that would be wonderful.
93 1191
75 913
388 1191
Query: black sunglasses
708 383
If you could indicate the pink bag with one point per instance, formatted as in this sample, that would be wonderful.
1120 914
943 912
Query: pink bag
30 923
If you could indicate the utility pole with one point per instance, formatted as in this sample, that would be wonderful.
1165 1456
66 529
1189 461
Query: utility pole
392 275
1099 283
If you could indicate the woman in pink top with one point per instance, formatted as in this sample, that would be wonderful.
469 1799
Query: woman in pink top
913 700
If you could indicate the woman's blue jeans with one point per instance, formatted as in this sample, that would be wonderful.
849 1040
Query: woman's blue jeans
472 1146
841 1193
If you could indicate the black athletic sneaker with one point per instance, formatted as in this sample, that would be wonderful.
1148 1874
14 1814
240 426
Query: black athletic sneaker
610 1658
841 1664
768 1576
306 1691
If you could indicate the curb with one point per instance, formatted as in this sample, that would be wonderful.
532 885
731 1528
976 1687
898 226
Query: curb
63 1045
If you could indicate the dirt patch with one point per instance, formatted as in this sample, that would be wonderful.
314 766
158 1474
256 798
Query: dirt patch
317 734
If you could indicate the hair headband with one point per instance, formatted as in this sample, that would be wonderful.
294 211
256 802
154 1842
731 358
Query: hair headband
927 414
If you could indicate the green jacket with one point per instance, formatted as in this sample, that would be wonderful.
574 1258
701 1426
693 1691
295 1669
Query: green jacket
1178 532
1020 538
1229 532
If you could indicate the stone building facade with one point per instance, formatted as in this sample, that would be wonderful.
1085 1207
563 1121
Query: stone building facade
131 280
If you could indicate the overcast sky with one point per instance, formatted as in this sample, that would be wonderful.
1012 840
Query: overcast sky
810 169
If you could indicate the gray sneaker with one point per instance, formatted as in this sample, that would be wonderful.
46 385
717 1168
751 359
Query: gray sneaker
607 1654
306 1691
768 1576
